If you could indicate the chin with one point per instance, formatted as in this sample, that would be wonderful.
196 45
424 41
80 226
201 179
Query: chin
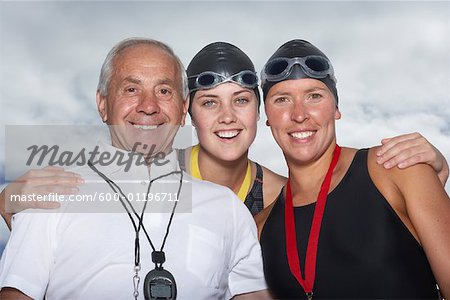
233 156
300 155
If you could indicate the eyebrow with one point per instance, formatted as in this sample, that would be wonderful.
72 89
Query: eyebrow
279 93
241 91
310 90
136 80
314 89
234 94
208 96
166 81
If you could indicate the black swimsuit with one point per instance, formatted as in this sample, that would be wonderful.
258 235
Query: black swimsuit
364 252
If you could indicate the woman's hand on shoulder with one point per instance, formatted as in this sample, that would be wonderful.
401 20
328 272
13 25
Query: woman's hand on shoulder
410 149
28 190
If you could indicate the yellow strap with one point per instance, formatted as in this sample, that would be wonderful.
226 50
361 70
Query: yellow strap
195 172
245 186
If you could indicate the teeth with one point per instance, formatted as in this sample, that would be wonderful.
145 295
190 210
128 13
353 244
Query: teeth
145 127
228 133
302 135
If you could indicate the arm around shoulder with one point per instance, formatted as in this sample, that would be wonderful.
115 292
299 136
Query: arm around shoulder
259 295
8 293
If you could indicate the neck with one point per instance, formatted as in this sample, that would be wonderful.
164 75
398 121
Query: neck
147 155
306 179
227 173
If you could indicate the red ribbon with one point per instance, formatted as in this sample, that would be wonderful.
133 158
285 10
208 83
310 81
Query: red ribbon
291 237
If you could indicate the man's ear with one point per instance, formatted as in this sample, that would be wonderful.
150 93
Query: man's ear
101 106
185 110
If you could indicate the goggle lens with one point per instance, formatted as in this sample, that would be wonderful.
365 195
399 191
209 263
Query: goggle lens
206 80
250 79
318 65
276 67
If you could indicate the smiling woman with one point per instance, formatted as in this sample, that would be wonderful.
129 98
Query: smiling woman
224 110
341 205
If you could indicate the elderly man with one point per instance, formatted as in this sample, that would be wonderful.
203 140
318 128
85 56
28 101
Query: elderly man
211 252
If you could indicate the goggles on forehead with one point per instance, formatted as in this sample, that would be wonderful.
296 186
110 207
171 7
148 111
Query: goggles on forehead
208 80
313 66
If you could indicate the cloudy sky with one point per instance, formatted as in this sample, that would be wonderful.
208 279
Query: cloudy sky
392 59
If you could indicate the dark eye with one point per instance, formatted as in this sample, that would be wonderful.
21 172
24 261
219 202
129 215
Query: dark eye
164 92
131 90
280 100
315 96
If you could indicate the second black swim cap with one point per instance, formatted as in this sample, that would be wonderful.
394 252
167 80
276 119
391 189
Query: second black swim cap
221 58
298 48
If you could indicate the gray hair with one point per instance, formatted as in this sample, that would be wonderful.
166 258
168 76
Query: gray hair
108 65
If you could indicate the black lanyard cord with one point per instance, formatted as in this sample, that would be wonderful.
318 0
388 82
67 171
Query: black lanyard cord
141 218
116 189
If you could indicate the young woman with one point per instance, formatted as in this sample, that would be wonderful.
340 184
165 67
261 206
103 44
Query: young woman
224 107
344 227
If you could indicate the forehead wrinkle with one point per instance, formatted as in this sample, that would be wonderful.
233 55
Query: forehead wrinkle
132 79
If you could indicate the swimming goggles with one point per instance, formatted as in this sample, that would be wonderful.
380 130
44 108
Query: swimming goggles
314 66
208 80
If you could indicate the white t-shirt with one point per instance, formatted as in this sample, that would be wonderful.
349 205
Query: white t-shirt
212 248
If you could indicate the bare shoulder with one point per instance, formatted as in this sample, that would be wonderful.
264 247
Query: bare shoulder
385 181
380 175
396 177
418 198
405 189
272 185
262 216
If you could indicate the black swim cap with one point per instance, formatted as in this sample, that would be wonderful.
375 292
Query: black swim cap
298 48
222 58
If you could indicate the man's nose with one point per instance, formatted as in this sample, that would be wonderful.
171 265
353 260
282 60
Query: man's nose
148 104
